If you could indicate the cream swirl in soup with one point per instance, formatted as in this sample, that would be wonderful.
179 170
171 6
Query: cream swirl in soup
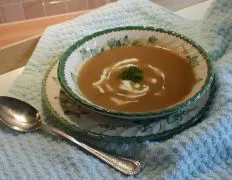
127 91
136 79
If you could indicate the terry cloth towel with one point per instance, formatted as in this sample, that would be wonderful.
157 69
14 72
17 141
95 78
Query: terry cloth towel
202 152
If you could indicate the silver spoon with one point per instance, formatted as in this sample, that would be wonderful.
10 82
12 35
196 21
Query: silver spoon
21 116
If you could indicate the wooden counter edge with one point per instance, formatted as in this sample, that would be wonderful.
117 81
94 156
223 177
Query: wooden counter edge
17 54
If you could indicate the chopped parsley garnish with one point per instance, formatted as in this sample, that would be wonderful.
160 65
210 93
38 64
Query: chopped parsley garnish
133 74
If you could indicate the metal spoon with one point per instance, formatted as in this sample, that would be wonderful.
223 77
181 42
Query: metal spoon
21 116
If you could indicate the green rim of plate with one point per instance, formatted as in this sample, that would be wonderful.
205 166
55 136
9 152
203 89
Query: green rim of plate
128 115
154 137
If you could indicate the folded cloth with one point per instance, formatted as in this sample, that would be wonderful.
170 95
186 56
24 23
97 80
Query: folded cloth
203 151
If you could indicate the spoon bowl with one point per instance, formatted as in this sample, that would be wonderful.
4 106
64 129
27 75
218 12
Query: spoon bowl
23 117
19 115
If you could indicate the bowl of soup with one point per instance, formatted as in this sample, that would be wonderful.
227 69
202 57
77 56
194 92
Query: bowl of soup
135 72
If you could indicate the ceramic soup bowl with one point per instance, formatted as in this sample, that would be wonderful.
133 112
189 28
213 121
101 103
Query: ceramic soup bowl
88 47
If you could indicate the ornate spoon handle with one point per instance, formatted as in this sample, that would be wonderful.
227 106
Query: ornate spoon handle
125 165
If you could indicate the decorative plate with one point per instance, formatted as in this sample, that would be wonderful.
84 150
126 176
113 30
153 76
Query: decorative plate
99 126
79 53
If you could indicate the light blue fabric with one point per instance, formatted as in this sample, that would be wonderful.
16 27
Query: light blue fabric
202 152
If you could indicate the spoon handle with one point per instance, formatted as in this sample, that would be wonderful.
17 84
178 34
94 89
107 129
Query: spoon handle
125 165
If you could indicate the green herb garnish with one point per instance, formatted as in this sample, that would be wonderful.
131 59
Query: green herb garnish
132 73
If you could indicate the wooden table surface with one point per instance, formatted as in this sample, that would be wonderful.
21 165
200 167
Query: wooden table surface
18 40
14 32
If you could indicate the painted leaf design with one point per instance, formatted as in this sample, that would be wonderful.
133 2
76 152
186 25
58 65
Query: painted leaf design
70 108
113 43
176 117
118 44
144 128
73 77
136 43
193 61
94 52
82 51
113 127
125 41
152 39
102 50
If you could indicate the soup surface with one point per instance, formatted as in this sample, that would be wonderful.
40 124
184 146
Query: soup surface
136 79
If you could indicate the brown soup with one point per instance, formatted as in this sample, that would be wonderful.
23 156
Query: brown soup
136 79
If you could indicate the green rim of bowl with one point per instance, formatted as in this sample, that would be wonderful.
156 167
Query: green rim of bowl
129 115
153 137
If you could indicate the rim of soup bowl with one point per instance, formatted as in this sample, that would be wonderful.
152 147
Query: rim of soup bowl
134 115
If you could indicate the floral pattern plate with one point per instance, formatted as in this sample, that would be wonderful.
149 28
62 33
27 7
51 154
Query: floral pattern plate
103 127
